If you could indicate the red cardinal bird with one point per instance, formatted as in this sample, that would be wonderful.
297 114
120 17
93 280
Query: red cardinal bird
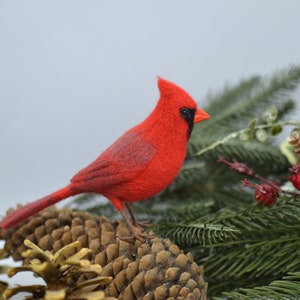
140 164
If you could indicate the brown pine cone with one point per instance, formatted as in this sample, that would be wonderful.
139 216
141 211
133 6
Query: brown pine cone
294 140
155 270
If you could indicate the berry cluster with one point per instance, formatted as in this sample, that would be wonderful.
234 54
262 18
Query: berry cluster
267 192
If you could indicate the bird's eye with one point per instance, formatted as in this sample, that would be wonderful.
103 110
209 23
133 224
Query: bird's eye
185 113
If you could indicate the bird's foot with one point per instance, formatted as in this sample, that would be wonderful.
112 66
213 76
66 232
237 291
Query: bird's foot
137 233
136 228
135 222
142 224
142 237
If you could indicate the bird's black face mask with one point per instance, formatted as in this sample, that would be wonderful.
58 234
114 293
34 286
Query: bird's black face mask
188 115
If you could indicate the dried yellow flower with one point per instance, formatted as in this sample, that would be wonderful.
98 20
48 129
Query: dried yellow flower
60 274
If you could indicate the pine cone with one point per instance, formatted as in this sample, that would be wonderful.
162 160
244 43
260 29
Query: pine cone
154 270
294 140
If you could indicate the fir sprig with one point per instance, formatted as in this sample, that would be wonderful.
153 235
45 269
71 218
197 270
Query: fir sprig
245 131
248 99
287 288
198 233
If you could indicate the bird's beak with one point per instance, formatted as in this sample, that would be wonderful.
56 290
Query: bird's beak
200 116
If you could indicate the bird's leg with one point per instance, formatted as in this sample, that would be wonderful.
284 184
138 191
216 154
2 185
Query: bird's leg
135 222
136 231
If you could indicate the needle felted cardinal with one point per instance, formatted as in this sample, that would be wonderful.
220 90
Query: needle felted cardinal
140 164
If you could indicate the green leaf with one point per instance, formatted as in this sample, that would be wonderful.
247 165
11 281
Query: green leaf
271 114
261 135
276 129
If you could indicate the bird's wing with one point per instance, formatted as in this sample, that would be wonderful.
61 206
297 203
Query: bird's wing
121 162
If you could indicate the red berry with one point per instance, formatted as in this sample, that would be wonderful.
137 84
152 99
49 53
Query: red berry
294 177
266 194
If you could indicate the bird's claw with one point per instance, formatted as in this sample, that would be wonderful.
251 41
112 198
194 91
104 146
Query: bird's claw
142 224
137 234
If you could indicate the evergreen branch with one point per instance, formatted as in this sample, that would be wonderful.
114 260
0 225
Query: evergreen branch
288 288
279 84
204 173
254 153
254 259
186 212
285 108
232 94
242 132
268 247
281 218
230 114
190 172
197 234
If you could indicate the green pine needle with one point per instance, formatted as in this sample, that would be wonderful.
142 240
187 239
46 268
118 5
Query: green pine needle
288 288
198 234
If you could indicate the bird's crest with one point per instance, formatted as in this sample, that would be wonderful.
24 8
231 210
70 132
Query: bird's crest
170 90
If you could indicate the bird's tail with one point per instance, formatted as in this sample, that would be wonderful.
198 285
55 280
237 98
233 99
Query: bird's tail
33 208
